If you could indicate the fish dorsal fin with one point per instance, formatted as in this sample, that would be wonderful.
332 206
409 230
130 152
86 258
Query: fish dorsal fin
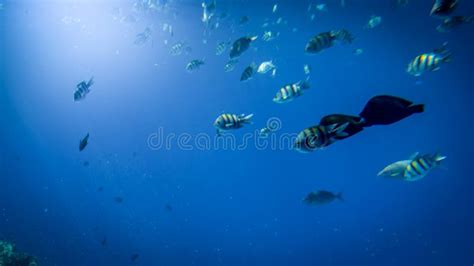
414 156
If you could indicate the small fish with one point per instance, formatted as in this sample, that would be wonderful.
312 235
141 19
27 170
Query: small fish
168 207
82 89
208 11
178 48
100 189
264 132
275 8
85 163
290 92
230 65
83 143
429 61
143 37
194 65
307 69
358 51
265 67
322 7
413 169
321 197
325 40
134 257
453 22
244 20
118 199
241 45
374 21
269 36
221 47
248 73
231 121
443 8
319 137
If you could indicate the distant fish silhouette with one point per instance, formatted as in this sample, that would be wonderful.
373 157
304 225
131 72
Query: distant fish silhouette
134 257
118 199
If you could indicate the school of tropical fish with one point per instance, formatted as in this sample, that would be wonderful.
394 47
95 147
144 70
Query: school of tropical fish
380 110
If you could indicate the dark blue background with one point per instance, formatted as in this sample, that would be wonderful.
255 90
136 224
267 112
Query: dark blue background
229 207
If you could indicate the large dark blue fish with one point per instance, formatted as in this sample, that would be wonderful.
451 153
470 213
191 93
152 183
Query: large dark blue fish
386 109
241 45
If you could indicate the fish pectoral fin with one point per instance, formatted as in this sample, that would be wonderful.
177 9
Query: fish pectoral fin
414 156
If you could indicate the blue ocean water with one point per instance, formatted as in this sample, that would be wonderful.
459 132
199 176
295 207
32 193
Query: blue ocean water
188 204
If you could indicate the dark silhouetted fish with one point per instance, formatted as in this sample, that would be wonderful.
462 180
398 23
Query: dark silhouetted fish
355 124
83 143
321 197
241 45
104 241
118 199
385 110
134 257
443 8
453 22
248 73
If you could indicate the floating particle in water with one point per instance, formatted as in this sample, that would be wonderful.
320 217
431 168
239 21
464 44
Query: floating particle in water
358 51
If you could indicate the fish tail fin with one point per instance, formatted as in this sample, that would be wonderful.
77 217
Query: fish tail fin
305 84
339 196
246 118
417 108
439 158
90 82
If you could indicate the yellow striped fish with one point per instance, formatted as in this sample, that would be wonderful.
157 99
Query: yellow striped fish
429 61
231 121
318 137
290 92
420 165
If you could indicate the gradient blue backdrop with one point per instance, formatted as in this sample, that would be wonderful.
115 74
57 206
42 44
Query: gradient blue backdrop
228 207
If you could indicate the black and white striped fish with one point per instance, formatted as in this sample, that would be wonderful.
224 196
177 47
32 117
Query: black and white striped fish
420 165
231 121
221 47
83 89
194 65
429 61
413 169
325 40
318 137
291 91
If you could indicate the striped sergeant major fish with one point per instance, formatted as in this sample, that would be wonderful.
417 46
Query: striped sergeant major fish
413 169
221 47
83 88
420 165
194 65
429 61
231 121
248 72
326 40
291 91
318 137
